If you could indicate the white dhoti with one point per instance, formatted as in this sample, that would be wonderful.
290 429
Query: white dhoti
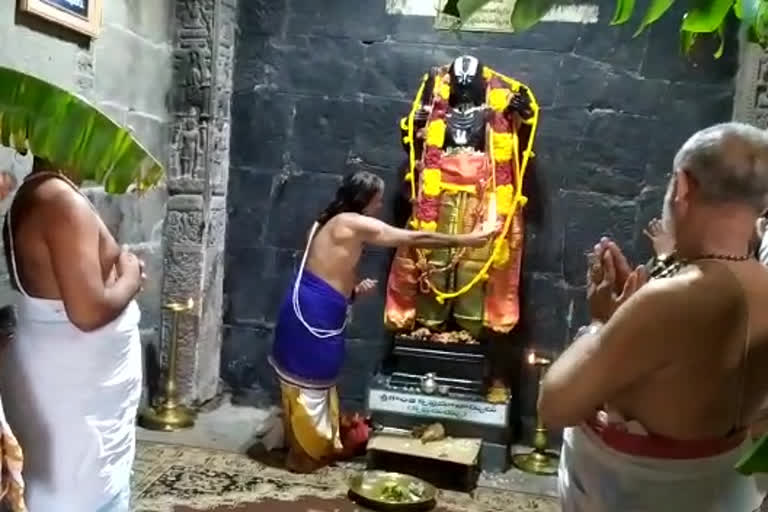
595 477
71 397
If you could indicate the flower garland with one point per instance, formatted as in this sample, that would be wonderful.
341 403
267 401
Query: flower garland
502 144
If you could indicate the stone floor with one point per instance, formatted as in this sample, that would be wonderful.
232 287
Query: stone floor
227 428
235 429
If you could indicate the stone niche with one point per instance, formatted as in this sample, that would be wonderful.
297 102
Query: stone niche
319 92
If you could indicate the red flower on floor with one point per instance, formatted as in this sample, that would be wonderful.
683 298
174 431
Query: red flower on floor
355 431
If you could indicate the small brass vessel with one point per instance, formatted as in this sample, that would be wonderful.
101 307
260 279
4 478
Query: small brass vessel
539 461
170 415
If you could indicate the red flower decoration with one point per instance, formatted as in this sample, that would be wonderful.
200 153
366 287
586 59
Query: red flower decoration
432 157
503 173
429 209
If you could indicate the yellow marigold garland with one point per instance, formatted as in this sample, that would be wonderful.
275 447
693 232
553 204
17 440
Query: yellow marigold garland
504 199
409 139
501 257
431 183
502 147
436 133
444 89
498 99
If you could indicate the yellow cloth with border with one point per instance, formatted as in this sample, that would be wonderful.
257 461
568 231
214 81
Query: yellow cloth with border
313 419
12 461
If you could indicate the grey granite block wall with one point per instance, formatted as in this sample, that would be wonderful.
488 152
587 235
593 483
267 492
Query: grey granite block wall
318 93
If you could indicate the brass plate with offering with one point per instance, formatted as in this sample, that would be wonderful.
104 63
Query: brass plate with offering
392 491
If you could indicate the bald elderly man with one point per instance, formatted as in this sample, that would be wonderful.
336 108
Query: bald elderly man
657 393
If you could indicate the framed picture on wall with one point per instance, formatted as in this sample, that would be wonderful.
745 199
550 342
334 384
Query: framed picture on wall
82 16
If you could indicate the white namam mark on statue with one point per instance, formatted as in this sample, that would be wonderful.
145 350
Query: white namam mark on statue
465 68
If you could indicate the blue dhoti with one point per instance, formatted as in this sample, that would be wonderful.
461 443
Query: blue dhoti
307 354
298 355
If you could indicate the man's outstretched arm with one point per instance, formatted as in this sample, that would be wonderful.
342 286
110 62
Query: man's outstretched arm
376 232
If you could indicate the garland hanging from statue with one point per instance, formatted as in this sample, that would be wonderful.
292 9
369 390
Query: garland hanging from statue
504 188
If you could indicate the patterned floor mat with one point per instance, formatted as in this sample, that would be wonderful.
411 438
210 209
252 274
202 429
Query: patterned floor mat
176 479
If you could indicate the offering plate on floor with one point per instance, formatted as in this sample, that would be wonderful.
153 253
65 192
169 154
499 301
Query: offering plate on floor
382 490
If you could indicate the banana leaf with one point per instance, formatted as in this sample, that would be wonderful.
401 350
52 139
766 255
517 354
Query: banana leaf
527 13
656 10
72 134
706 17
756 459
624 10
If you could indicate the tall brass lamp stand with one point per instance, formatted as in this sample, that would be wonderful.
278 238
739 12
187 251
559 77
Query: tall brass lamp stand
170 414
540 460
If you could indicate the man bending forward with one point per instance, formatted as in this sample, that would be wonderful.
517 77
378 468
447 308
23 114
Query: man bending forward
309 338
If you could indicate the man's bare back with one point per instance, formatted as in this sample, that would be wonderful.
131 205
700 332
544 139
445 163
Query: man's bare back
335 251
65 252
697 350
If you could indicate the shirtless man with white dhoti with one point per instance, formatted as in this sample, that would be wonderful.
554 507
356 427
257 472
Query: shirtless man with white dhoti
657 394
71 378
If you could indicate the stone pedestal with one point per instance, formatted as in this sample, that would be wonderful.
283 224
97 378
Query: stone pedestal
195 222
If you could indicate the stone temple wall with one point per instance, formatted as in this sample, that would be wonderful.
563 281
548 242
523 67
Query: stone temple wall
318 93
127 73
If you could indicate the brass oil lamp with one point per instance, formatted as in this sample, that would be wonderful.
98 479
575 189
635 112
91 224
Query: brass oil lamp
170 415
540 460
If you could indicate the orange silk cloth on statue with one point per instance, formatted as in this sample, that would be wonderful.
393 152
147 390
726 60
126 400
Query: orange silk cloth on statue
492 303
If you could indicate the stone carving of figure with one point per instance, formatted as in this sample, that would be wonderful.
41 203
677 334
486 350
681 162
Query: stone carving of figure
195 16
228 33
222 106
198 81
220 140
195 72
189 145
203 145
762 97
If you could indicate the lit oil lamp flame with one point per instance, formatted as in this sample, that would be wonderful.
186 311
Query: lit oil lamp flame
532 357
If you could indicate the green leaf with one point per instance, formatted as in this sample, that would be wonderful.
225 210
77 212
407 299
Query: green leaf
721 37
759 27
656 10
687 40
738 9
624 9
528 12
706 15
756 459
469 7
72 134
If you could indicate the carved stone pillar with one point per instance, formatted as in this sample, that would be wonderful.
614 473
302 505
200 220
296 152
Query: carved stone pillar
195 220
751 98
